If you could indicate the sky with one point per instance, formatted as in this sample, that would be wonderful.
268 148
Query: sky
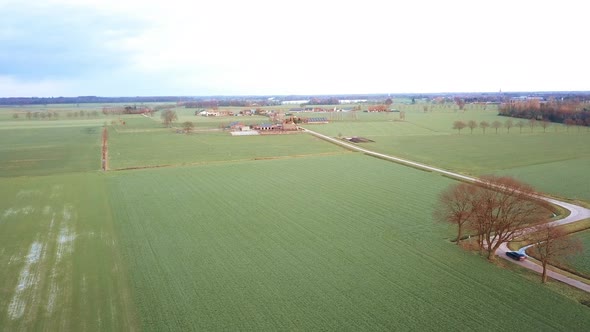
261 47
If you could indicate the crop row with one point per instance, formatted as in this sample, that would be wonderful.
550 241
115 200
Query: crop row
334 242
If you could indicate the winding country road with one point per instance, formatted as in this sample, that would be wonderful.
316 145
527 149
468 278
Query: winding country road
577 213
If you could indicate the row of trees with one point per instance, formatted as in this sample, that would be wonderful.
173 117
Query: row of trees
509 123
498 210
48 115
37 115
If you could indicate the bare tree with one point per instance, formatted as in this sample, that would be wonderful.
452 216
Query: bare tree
496 125
472 125
459 125
168 116
532 123
503 206
483 125
460 102
553 244
496 209
188 127
520 124
569 123
455 206
580 124
545 124
508 124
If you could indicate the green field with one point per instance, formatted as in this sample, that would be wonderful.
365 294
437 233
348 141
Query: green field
337 242
580 261
60 256
554 161
130 147
45 151
259 232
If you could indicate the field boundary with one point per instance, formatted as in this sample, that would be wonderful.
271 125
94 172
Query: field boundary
577 213
202 163
105 150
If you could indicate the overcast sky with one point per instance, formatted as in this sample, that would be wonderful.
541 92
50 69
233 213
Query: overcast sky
260 47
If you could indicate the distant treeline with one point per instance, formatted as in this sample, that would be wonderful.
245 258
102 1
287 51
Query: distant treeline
215 103
268 100
567 111
83 100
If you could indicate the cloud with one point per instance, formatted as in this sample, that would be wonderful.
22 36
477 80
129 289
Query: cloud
134 47
61 42
11 87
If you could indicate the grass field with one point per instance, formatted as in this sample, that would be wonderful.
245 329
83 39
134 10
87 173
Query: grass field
44 151
320 243
429 138
258 233
60 257
581 262
129 147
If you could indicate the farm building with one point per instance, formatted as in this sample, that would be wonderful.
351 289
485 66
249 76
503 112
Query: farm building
276 128
215 113
315 120
237 126
268 126
208 113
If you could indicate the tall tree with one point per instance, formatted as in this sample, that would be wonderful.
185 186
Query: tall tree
496 125
460 102
168 117
551 245
508 124
459 125
520 124
472 125
532 124
496 209
580 123
483 125
503 206
455 206
569 123
545 124
188 127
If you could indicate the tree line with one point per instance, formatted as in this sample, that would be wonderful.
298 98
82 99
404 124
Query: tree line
509 124
569 111
49 115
